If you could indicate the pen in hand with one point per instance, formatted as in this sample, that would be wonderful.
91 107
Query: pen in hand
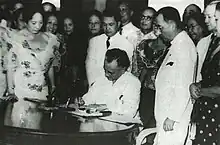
67 103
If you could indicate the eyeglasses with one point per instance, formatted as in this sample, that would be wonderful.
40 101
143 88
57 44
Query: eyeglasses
191 27
96 23
148 18
157 27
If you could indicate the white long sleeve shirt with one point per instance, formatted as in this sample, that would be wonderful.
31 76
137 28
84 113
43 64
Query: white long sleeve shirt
96 54
173 80
130 32
122 97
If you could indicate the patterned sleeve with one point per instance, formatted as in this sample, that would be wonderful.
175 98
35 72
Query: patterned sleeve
11 59
57 56
5 47
11 66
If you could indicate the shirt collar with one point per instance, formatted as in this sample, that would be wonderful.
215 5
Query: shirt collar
114 37
128 26
149 35
178 37
122 78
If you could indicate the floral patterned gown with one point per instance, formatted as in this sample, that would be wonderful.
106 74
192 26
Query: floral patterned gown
4 48
29 66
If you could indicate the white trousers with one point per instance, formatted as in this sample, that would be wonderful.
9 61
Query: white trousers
175 137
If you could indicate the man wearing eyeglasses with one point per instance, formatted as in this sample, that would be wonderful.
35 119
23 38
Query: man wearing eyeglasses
145 33
172 101
146 21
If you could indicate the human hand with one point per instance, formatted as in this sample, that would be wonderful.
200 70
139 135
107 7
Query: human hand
168 124
79 101
11 98
194 92
71 105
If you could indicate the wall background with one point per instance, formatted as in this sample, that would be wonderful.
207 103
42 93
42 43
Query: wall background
179 4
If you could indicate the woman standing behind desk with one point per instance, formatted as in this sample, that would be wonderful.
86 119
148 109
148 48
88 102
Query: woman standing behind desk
29 67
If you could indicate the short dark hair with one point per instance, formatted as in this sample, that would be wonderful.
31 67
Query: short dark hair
68 16
112 13
95 13
171 13
200 19
119 55
149 9
52 5
198 9
218 6
30 10
127 3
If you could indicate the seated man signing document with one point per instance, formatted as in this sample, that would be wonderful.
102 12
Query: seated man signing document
118 89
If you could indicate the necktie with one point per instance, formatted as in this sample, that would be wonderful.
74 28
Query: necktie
107 43
213 45
120 31
196 68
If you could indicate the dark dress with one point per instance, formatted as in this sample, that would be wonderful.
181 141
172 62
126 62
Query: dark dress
208 117
154 50
72 73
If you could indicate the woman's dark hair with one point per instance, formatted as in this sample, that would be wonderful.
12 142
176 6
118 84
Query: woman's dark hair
17 13
95 13
200 19
30 10
119 55
66 16
49 14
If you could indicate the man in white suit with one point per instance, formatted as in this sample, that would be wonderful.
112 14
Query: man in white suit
100 44
172 103
128 30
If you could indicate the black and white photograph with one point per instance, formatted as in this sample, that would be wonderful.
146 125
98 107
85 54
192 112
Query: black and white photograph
109 72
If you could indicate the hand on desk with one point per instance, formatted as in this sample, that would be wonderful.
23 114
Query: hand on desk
11 98
79 101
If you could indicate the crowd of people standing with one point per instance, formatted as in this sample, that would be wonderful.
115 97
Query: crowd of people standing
159 69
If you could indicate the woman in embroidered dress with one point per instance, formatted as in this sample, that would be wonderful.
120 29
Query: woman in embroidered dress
4 47
29 67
